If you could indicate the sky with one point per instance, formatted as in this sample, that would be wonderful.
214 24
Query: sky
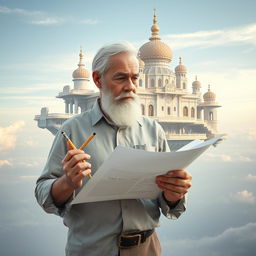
40 43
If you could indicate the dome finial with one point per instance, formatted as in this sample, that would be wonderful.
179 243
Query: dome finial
154 29
180 62
196 77
81 55
209 88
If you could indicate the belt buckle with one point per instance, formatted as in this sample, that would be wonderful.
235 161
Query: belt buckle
138 242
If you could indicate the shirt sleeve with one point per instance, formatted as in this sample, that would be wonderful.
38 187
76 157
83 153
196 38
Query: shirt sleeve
168 210
52 171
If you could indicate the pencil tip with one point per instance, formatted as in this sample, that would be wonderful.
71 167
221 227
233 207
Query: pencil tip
94 133
62 132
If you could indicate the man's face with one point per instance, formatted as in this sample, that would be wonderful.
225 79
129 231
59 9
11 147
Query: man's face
119 100
121 75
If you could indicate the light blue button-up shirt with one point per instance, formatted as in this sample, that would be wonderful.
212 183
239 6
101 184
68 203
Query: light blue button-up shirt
94 227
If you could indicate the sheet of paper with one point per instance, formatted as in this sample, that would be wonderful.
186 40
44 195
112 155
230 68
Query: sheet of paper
130 173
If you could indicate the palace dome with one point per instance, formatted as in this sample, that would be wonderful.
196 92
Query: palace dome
81 71
196 84
155 48
181 68
209 96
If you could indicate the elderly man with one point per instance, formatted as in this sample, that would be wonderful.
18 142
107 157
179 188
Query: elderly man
117 227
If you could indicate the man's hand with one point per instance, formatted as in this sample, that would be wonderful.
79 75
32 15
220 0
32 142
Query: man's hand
175 184
76 167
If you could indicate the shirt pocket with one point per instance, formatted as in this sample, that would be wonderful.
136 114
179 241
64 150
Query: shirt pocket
145 147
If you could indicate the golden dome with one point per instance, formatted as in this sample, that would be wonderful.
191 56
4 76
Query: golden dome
209 96
180 68
155 49
196 84
81 72
141 63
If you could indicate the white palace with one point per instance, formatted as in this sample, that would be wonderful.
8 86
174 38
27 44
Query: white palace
164 96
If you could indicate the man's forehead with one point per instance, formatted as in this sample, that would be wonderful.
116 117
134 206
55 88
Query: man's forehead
122 61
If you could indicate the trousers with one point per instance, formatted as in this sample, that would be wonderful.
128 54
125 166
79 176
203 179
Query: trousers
151 247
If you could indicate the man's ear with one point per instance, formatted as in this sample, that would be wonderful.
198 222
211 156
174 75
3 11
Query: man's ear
97 79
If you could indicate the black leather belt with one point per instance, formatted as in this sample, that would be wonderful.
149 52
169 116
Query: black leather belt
128 240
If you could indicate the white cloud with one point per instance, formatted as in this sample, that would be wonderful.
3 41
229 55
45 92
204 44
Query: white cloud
90 21
251 177
47 21
35 17
5 162
232 242
236 35
245 159
221 157
43 18
252 134
8 135
245 196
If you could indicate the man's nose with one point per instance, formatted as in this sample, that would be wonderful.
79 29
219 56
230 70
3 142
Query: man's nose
129 86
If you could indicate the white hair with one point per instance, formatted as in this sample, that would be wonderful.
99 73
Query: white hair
101 58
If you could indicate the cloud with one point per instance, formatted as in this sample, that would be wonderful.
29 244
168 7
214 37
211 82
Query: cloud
232 242
251 177
43 18
35 17
245 196
47 21
5 162
221 157
245 159
237 35
252 134
8 135
89 21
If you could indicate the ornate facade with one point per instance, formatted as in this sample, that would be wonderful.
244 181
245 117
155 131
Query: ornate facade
164 95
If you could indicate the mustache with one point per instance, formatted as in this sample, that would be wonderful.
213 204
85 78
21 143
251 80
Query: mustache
127 94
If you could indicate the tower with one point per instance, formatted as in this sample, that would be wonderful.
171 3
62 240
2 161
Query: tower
81 75
181 76
210 109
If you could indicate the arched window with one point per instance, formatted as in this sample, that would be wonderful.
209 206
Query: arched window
142 109
174 108
140 83
184 85
185 111
150 110
166 81
159 82
211 116
152 83
168 110
192 112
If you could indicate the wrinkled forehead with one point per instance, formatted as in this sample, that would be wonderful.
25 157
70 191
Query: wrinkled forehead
123 62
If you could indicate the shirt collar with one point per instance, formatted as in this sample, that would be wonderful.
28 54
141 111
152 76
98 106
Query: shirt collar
97 114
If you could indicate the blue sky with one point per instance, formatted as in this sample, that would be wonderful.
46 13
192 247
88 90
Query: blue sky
40 43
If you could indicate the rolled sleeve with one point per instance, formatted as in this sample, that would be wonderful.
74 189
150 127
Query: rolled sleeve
172 212
44 197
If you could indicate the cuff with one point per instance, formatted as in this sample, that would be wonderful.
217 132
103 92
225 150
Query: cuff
47 202
170 210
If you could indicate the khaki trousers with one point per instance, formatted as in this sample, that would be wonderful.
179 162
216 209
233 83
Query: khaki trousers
151 247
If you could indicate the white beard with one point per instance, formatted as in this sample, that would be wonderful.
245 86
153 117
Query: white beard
121 113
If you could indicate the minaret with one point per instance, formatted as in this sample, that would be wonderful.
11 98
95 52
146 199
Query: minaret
154 29
196 85
181 76
81 75
210 109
